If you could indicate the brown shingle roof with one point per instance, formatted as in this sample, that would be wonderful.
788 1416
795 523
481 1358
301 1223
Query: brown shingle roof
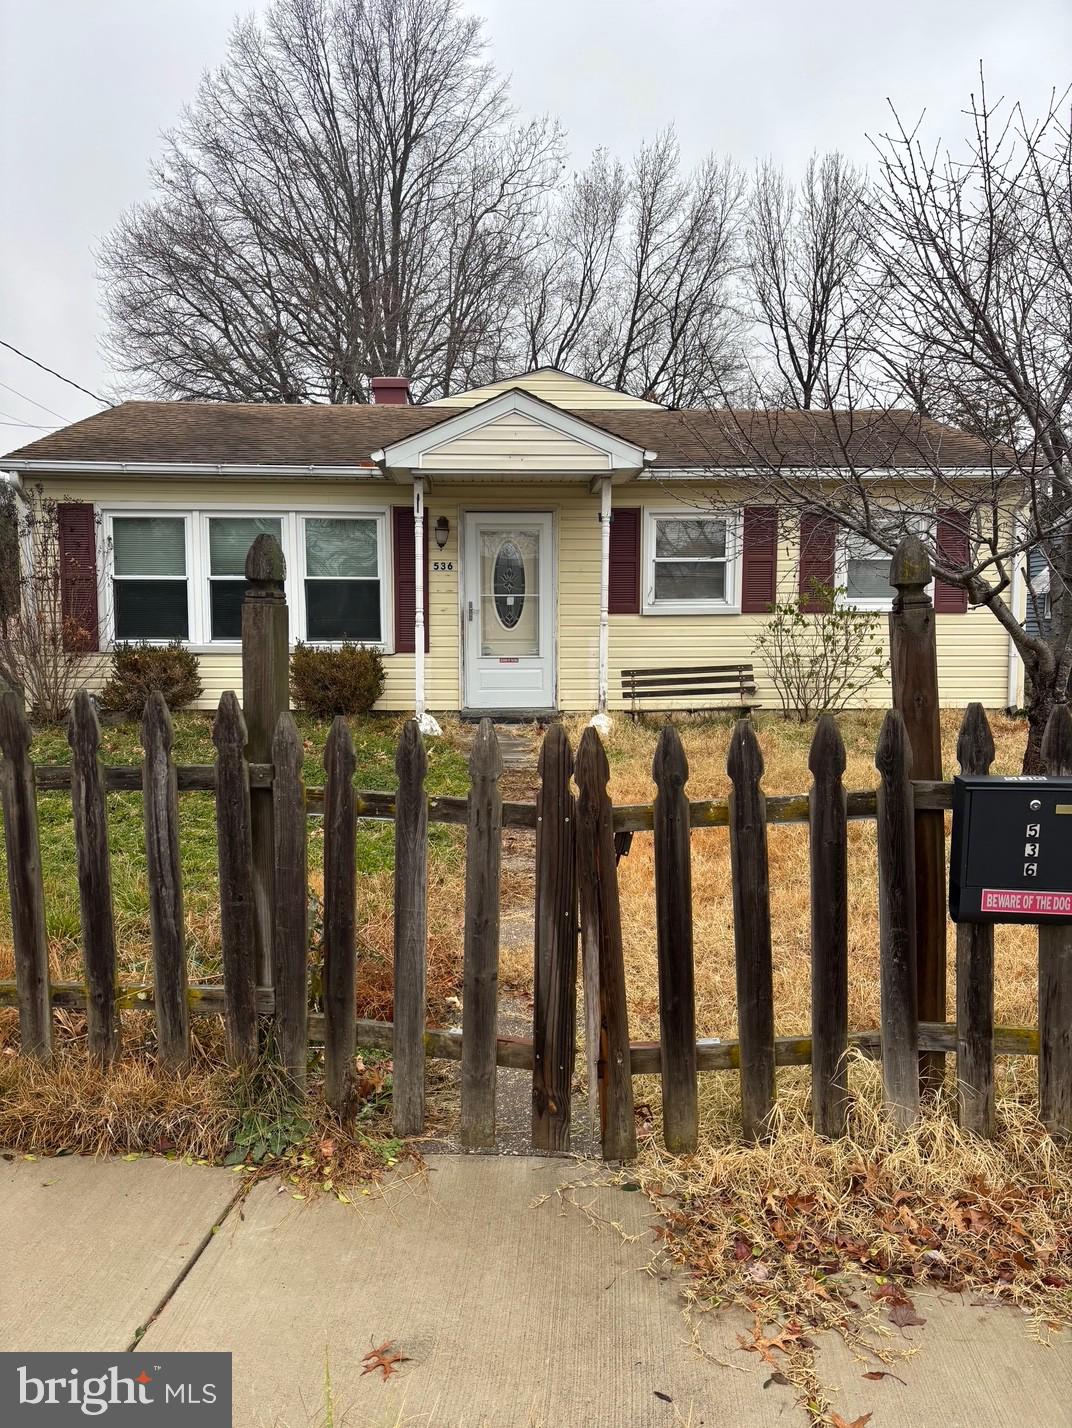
221 433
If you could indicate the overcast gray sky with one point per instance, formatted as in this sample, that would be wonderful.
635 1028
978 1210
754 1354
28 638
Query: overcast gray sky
86 86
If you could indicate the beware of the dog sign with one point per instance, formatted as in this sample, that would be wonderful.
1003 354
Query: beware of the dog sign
1011 853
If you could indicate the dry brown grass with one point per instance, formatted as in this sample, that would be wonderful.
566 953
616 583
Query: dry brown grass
808 1234
631 747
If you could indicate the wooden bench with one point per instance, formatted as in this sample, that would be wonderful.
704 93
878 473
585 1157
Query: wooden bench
730 685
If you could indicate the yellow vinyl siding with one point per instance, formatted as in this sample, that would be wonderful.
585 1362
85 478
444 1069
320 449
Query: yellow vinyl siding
973 650
514 443
560 388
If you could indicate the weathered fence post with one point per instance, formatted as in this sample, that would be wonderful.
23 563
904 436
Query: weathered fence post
1055 967
164 867
828 846
18 793
914 675
897 923
90 810
411 931
290 941
265 695
554 1018
601 937
751 927
238 919
480 970
975 965
340 916
673 923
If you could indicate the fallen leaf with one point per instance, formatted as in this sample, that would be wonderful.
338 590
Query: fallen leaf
384 1358
876 1374
838 1422
904 1315
664 1396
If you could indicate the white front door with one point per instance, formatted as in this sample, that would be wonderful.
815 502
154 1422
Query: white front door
508 611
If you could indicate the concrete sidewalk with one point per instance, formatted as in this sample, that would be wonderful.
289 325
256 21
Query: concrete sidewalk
514 1308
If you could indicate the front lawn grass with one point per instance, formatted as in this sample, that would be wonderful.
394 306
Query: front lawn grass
375 741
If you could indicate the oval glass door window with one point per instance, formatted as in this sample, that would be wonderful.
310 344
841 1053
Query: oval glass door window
508 584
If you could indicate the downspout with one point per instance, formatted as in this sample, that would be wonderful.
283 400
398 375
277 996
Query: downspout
601 720
1016 595
425 722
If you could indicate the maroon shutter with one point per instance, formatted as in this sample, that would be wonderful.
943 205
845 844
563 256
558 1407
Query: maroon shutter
817 534
952 541
759 559
77 528
405 575
624 591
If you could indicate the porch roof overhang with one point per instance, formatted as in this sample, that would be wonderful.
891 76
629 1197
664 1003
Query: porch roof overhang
517 436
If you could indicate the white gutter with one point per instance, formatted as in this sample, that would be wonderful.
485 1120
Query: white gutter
186 469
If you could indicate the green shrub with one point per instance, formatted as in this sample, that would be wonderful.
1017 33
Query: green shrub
347 680
137 670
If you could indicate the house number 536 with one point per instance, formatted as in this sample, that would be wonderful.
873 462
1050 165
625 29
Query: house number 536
442 565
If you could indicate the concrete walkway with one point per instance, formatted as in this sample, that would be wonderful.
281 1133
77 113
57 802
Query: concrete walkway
520 1297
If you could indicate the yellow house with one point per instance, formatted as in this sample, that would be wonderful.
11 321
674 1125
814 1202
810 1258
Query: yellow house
569 532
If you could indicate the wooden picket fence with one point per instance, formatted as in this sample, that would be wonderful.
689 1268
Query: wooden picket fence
579 837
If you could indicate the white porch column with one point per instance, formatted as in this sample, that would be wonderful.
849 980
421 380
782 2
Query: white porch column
427 724
604 591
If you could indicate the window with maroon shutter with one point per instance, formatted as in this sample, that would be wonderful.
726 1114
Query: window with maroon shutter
405 575
77 531
816 568
951 540
759 559
624 593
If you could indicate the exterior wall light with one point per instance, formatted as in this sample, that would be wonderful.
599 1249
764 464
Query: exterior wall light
442 531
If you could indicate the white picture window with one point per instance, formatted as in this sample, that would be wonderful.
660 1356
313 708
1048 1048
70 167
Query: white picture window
229 539
690 563
863 574
343 579
150 580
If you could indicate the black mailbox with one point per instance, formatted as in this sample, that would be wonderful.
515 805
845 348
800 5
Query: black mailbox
1011 854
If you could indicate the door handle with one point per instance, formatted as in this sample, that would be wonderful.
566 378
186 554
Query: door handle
470 612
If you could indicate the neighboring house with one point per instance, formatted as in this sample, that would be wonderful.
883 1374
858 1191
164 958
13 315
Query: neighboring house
527 598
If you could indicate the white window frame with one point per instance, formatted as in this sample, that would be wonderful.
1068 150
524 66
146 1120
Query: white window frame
108 568
921 523
731 605
383 564
204 516
196 518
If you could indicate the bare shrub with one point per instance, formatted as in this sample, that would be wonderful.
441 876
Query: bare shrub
47 645
821 662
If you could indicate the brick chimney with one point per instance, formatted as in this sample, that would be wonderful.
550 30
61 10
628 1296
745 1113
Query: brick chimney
390 391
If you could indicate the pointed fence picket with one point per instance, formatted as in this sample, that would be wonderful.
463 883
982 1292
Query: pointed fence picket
90 810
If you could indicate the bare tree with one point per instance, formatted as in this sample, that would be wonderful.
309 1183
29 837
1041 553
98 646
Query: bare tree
971 324
806 279
348 195
664 321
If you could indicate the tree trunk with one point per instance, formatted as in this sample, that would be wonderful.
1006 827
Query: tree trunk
1040 695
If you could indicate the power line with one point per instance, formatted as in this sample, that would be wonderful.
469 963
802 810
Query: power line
53 373
34 402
